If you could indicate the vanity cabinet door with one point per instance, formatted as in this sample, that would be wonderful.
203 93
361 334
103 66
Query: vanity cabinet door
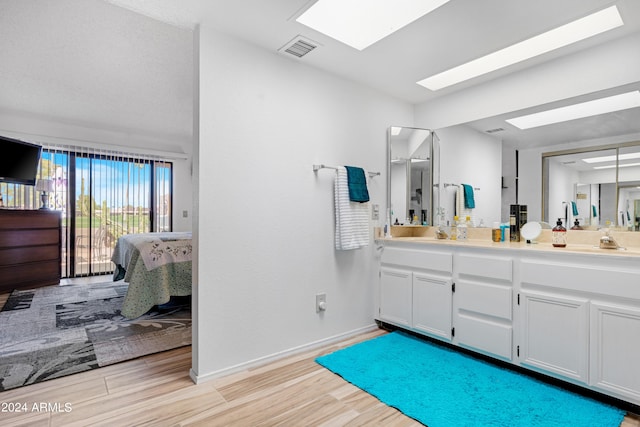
483 306
556 334
395 296
432 305
614 350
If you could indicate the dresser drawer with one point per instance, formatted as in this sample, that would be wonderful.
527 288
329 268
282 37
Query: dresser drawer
17 219
11 256
18 275
22 238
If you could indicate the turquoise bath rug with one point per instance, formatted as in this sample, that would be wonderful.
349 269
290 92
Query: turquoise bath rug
440 387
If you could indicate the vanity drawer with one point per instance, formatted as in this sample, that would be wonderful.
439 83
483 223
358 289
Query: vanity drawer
593 279
485 266
485 335
486 299
418 259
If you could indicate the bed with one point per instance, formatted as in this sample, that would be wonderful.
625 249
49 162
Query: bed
157 266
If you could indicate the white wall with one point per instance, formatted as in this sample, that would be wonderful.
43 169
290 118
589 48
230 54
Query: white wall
265 225
470 157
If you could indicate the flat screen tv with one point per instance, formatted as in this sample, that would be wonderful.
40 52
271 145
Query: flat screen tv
18 161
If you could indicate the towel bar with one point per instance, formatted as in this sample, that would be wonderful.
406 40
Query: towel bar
318 167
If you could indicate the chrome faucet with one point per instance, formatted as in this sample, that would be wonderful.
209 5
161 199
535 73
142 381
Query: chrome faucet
608 242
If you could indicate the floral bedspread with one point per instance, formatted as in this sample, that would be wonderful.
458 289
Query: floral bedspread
161 252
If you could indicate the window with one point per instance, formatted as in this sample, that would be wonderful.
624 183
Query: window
101 196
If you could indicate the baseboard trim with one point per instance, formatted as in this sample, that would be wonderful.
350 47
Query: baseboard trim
198 379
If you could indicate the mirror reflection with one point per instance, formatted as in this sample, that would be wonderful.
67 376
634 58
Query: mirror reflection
412 175
597 187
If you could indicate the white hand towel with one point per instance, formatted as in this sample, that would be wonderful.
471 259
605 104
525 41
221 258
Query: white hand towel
352 218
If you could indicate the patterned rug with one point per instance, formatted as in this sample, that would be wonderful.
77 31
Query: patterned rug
54 331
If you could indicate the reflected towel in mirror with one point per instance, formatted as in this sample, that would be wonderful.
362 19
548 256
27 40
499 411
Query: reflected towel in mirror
469 201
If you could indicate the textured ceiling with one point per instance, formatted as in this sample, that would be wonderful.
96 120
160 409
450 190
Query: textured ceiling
91 63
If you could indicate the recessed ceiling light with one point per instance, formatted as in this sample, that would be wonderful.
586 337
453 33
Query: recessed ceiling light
628 165
395 130
361 23
581 110
572 32
612 158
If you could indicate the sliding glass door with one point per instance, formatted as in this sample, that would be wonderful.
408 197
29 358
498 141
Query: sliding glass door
101 196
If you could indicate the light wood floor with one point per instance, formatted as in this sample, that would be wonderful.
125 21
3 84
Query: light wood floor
156 391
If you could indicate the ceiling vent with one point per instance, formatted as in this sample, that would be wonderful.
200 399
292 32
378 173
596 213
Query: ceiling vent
494 130
299 46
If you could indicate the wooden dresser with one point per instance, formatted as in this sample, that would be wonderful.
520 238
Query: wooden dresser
29 248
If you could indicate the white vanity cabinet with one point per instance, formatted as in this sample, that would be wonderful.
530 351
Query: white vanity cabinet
555 334
415 290
483 303
396 296
615 349
581 321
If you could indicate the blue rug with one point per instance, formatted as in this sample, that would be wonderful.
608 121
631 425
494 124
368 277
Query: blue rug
440 387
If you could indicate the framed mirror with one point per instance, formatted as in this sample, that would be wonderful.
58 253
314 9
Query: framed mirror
598 186
412 175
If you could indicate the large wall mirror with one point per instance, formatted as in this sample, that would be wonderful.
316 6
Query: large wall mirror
412 175
598 187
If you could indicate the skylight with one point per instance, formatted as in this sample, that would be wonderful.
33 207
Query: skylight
565 35
581 110
361 23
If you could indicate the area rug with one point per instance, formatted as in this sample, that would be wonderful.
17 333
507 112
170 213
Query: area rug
440 387
54 331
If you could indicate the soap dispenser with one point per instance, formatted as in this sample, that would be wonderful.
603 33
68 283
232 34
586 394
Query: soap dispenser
576 225
559 235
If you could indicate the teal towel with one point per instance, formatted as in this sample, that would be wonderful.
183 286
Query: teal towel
357 184
574 207
469 201
593 210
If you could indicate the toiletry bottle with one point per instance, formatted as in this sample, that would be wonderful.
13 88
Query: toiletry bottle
576 225
496 232
454 228
559 235
462 229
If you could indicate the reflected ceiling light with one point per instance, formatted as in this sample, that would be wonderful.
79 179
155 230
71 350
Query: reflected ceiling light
565 35
628 165
578 111
612 158
395 130
361 23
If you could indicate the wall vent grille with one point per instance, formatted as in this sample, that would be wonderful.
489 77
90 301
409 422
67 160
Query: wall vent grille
299 46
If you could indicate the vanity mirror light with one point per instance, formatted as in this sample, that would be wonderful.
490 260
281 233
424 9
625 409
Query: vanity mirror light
412 175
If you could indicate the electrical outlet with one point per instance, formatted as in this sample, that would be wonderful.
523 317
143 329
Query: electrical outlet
321 302
185 214
375 212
